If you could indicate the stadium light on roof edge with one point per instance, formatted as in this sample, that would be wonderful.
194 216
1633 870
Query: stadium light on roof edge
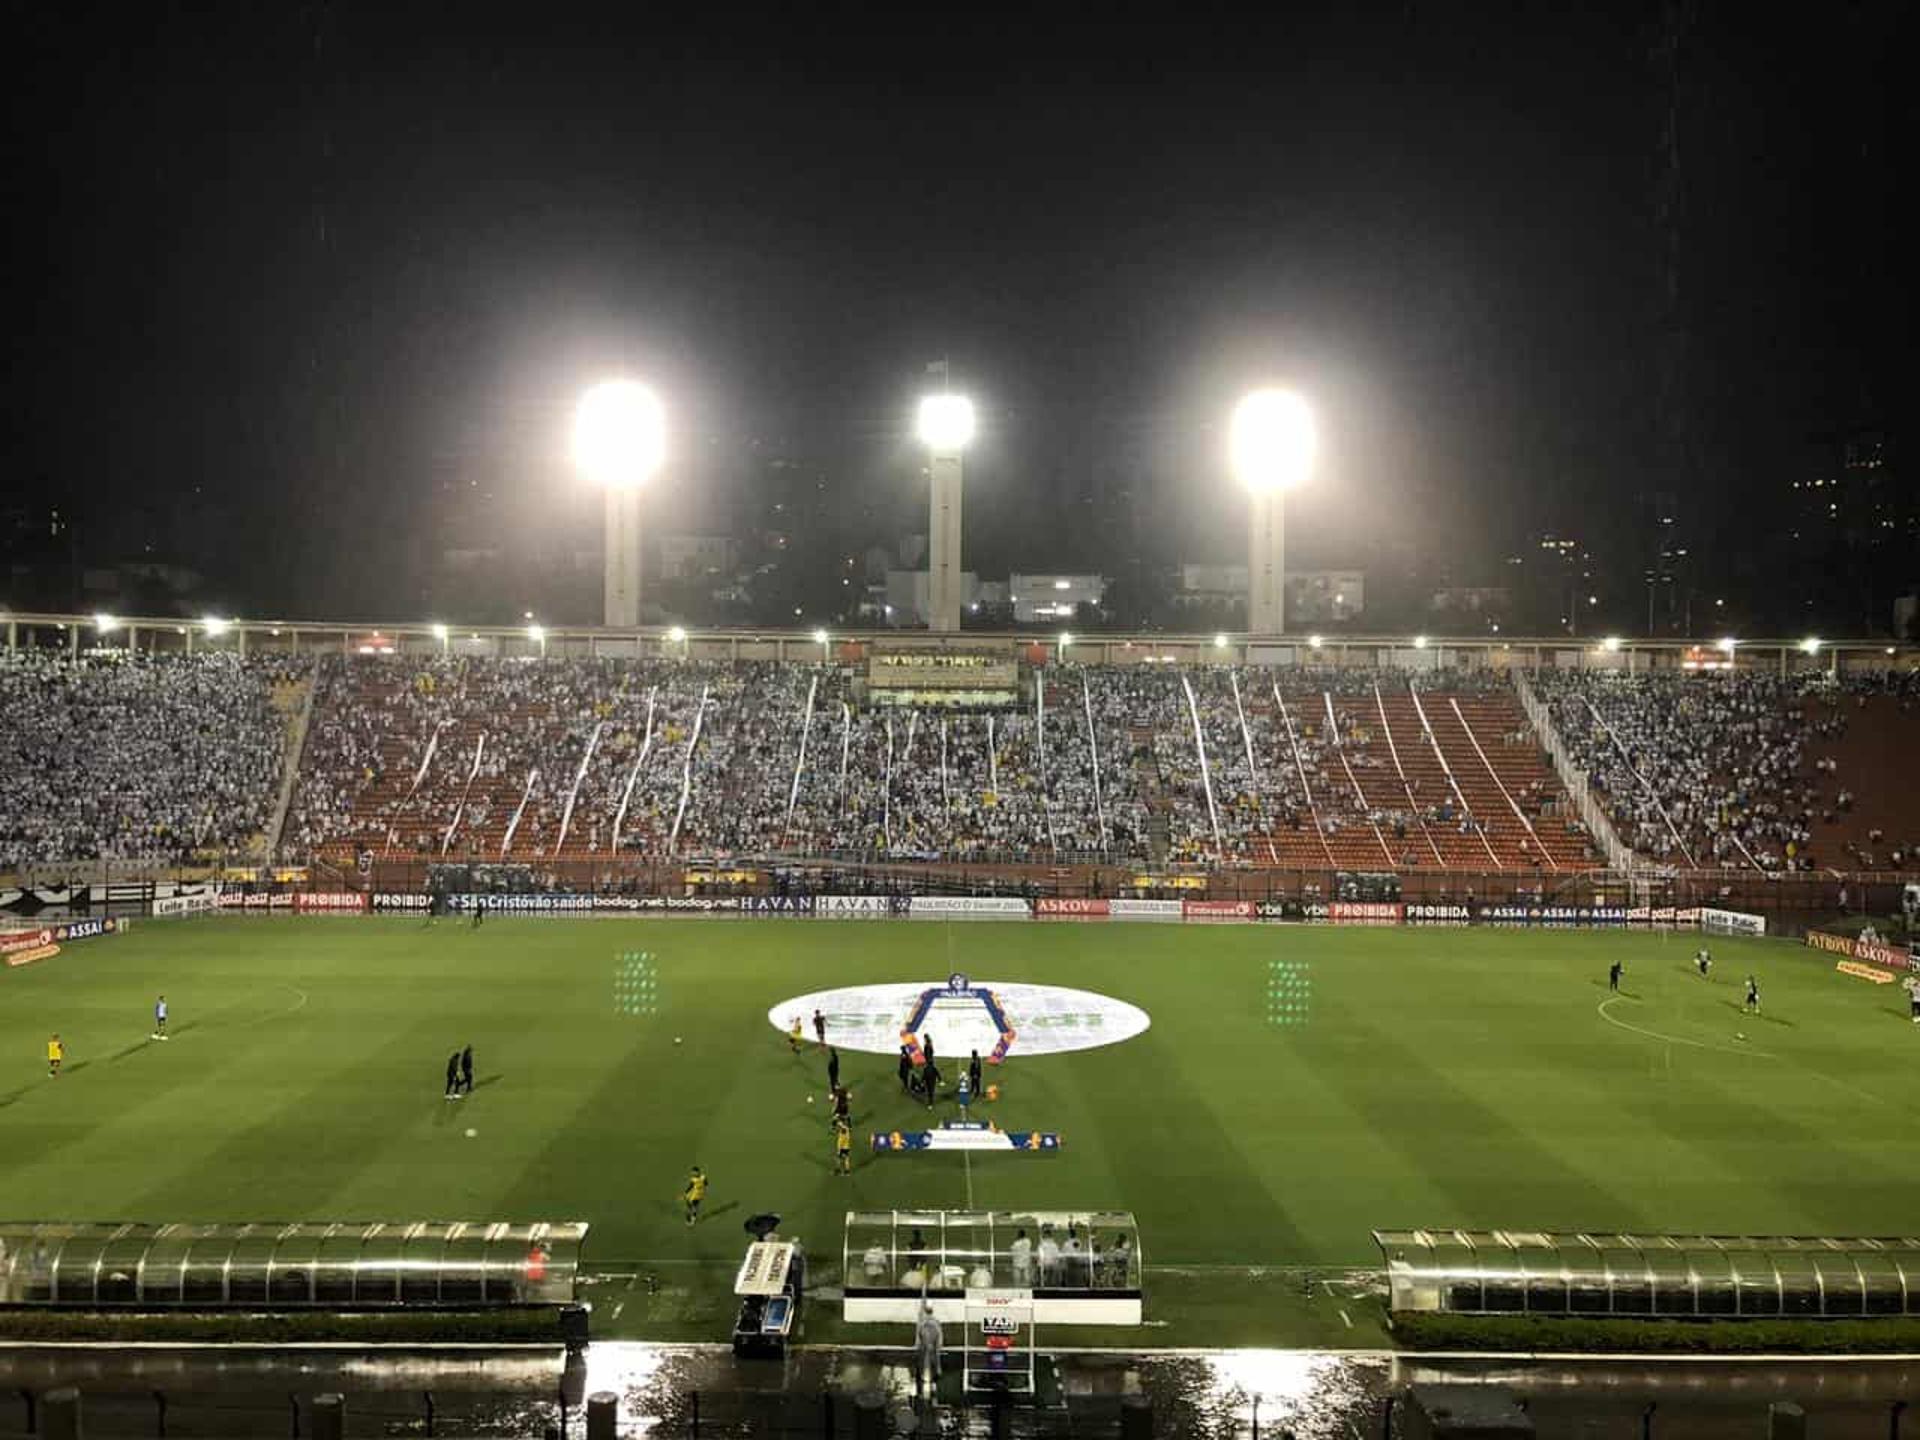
1419 642
1219 642
678 635
214 625
1315 641
1271 444
1811 645
1728 644
104 622
1610 644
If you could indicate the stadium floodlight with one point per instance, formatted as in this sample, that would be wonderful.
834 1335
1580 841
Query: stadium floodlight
106 624
619 434
1271 444
1066 639
619 441
1219 642
1811 645
1728 644
678 634
1419 642
214 625
439 631
944 424
538 634
1271 441
1610 644
1315 641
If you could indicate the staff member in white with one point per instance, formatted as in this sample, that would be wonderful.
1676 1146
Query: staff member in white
160 1018
1021 1253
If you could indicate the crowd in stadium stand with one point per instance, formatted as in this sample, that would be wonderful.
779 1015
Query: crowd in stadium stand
137 759
470 759
1704 769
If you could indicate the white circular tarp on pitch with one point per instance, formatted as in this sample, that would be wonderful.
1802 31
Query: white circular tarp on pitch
1045 1019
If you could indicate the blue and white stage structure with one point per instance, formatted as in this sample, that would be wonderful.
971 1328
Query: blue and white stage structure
958 987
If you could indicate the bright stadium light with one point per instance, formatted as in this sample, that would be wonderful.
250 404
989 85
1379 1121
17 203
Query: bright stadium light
944 423
678 635
1315 641
214 625
440 632
1610 644
1219 642
1271 441
105 623
1728 644
1271 444
619 441
538 634
1811 645
619 433
1419 642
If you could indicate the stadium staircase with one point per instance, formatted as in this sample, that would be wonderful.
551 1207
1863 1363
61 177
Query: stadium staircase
1579 794
294 701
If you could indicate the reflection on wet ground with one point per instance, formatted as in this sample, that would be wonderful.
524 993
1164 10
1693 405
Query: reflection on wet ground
669 1390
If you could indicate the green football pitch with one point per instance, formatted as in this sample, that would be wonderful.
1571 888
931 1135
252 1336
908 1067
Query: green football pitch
1297 1087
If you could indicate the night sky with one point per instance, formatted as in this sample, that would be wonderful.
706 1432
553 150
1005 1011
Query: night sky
290 281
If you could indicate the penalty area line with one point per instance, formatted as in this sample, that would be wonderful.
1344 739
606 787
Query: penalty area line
1677 1039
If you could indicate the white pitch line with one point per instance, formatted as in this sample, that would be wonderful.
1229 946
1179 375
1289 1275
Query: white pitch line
1348 1318
1678 1039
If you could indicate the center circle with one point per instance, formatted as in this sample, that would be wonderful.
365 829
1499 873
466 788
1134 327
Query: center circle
964 1015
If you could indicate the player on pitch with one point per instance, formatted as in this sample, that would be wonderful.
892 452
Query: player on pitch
842 1146
56 1052
695 1192
160 1018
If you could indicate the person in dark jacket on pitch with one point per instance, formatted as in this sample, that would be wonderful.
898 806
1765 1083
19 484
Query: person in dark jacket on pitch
906 1069
973 1073
466 1071
453 1076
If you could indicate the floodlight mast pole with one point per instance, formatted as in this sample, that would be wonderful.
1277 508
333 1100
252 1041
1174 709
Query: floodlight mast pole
622 580
945 426
1266 562
1270 450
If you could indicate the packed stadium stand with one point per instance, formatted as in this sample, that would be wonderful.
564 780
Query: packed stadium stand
1731 770
142 759
1361 768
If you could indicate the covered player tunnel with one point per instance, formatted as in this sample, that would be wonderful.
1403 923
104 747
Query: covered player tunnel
319 1264
1518 1272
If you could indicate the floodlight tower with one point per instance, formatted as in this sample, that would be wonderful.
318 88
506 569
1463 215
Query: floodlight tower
945 426
1270 447
619 440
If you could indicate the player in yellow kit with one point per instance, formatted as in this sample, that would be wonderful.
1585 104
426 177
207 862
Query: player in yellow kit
695 1192
842 1146
56 1052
